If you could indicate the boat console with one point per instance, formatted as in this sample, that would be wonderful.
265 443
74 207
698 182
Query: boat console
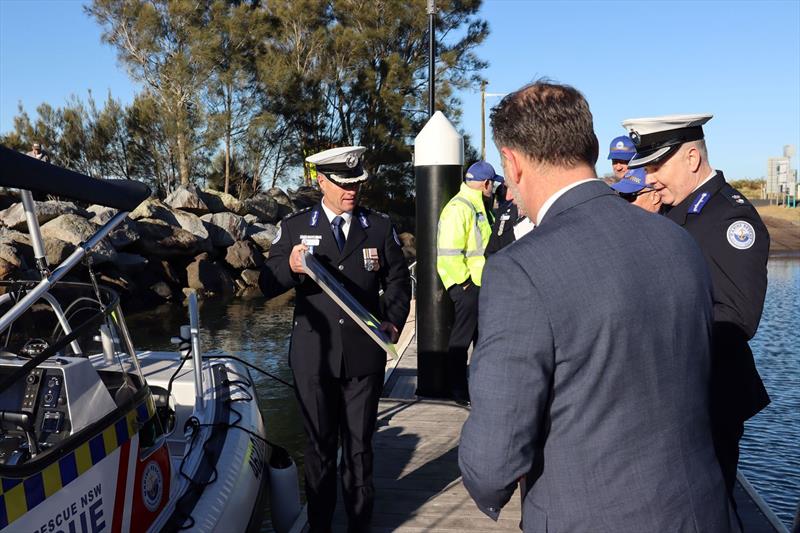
58 398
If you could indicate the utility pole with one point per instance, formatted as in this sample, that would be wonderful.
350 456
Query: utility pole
483 120
431 57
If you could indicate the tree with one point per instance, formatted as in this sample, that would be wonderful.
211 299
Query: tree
158 40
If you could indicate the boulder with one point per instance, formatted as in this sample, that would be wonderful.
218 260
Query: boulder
305 197
264 207
130 263
162 289
225 228
207 277
153 208
281 197
75 229
19 245
250 277
191 223
101 214
6 269
187 198
57 250
244 254
219 202
161 239
262 234
10 255
14 216
250 219
125 234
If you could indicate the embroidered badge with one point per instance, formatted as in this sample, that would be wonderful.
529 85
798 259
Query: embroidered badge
699 202
314 219
277 236
372 262
362 218
396 238
741 235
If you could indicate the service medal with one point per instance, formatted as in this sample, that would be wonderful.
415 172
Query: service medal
372 262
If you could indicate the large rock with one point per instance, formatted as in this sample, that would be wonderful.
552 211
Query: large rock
153 208
305 197
208 277
17 248
244 254
162 290
9 254
57 250
14 216
125 234
75 229
187 198
161 239
262 234
131 263
191 223
281 197
6 269
264 207
101 214
219 202
225 228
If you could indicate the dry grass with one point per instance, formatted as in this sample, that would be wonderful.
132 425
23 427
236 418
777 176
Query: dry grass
780 212
784 228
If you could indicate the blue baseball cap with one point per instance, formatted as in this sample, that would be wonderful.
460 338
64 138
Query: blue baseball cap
482 171
634 181
622 147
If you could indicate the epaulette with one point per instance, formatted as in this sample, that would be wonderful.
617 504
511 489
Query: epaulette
292 215
373 212
735 197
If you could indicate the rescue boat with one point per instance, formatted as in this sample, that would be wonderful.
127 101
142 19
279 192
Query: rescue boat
95 436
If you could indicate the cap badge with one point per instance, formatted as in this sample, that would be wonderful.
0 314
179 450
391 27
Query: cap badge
351 160
635 137
621 146
741 235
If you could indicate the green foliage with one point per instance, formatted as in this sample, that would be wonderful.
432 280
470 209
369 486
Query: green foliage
261 85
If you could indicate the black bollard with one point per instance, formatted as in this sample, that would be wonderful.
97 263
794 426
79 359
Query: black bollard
438 168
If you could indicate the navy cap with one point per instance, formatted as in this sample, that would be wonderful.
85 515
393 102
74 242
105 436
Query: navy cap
482 171
341 165
634 181
622 148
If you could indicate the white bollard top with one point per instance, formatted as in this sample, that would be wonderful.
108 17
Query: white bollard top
438 143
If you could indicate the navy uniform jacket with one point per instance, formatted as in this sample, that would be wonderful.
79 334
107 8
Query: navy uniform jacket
735 244
325 341
503 228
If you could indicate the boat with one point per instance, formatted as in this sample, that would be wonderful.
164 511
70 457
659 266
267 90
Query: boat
97 436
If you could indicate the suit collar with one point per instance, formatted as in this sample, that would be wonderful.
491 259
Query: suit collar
578 194
698 197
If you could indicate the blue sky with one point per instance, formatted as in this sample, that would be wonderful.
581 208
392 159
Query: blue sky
739 60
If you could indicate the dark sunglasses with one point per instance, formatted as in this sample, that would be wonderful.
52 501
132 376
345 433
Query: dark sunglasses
631 196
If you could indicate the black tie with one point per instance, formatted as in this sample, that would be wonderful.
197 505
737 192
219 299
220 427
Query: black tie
336 226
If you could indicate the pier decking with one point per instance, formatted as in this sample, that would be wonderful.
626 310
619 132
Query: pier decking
417 480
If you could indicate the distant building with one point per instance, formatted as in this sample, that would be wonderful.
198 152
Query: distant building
781 178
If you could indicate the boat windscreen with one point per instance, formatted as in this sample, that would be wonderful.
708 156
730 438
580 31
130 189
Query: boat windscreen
19 171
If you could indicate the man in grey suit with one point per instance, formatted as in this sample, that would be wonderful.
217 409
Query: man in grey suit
593 389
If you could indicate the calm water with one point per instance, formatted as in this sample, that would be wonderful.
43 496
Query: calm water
258 331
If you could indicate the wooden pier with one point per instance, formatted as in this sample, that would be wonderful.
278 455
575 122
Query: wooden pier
417 480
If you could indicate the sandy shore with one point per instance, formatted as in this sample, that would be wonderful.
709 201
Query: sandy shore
784 229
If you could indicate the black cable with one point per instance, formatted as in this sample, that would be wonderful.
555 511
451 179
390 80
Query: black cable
250 365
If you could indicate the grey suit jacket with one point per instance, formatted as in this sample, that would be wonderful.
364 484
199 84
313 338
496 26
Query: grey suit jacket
591 375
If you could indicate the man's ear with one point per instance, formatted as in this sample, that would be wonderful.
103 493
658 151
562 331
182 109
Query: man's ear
693 159
513 169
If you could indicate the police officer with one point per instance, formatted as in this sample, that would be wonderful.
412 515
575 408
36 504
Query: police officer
338 369
464 229
620 152
510 224
735 243
633 188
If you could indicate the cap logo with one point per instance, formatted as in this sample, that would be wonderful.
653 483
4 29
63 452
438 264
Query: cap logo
635 137
621 146
351 160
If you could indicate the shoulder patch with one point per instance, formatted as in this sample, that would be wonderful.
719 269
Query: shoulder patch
699 203
741 235
277 235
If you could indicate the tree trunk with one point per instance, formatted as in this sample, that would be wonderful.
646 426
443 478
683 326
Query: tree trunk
228 114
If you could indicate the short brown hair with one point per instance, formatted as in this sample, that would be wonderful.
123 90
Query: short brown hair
547 122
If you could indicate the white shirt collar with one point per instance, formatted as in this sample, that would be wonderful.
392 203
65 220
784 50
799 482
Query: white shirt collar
713 173
347 216
558 194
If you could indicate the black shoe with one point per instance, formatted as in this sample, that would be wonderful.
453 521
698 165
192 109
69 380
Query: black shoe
461 398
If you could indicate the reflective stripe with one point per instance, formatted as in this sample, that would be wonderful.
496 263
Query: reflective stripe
449 251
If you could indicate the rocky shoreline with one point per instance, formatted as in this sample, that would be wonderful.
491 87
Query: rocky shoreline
203 240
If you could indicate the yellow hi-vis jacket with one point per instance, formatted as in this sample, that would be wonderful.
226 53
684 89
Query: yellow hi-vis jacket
464 230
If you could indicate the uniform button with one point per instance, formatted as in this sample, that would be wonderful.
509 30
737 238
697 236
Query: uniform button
341 267
341 321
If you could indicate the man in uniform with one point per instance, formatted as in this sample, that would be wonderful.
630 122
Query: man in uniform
735 244
464 228
510 224
620 152
338 369
634 189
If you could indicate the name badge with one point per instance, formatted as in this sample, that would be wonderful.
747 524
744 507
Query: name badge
372 262
310 240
